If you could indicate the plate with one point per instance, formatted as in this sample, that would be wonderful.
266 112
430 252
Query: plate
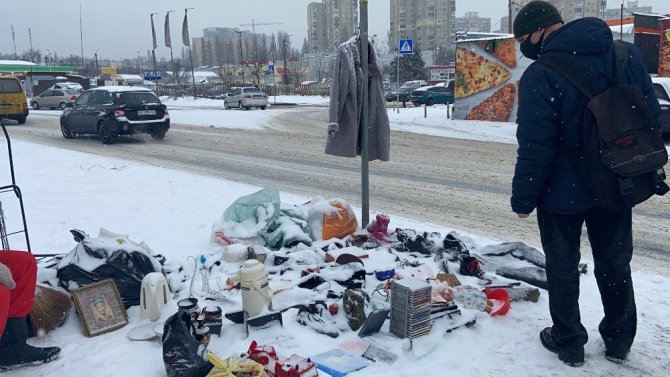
158 329
143 332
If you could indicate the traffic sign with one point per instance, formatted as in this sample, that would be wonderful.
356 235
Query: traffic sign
406 47
271 69
151 75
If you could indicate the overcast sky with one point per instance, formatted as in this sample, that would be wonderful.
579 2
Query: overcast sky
120 28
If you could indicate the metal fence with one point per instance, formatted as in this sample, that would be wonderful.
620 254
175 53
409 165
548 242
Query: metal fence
219 90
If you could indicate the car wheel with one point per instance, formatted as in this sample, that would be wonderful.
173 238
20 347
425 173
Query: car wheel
430 102
262 107
65 129
63 105
35 105
225 106
416 103
158 133
107 133
21 120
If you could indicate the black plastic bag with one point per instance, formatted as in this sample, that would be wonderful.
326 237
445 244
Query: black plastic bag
117 258
183 355
127 268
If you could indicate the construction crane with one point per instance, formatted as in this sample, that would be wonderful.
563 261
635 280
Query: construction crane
253 24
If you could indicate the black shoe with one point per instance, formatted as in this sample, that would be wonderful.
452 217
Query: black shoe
616 356
25 355
469 266
16 353
572 356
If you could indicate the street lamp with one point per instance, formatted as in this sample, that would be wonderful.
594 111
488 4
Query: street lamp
238 31
139 67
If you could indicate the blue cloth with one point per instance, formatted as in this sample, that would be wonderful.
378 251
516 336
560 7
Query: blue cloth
550 113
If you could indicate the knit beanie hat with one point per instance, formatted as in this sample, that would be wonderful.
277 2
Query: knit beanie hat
535 16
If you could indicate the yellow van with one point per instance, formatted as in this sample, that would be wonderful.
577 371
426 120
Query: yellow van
13 102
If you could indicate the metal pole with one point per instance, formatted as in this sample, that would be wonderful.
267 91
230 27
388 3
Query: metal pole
365 185
81 40
274 81
509 16
398 80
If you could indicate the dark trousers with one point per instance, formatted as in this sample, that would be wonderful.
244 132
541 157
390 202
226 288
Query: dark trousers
611 239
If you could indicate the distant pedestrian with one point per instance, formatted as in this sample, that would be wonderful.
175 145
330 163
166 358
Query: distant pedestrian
549 129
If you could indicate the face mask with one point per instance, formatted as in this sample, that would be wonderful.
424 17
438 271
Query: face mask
532 51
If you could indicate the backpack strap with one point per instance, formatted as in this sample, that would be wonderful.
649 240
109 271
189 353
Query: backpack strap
621 54
570 71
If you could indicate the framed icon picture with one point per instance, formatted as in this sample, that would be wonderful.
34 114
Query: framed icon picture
100 307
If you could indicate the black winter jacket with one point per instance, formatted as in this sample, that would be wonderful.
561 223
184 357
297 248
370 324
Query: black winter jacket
550 113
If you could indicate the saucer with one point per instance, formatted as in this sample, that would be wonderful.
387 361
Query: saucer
143 332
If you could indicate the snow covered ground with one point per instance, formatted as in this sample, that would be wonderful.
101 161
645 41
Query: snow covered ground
173 212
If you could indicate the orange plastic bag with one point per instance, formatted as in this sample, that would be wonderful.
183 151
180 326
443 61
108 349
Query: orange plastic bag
331 219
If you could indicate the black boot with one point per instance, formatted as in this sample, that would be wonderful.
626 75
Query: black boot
15 353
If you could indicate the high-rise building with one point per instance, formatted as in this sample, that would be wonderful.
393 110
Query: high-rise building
472 22
431 24
331 23
317 29
570 10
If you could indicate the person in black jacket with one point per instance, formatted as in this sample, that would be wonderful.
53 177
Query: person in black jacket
549 122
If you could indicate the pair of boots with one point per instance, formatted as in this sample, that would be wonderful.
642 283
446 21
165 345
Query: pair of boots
16 353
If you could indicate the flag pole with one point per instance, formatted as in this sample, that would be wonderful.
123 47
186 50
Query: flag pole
168 43
153 50
365 177
186 40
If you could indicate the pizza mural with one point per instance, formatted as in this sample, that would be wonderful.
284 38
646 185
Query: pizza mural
664 50
487 67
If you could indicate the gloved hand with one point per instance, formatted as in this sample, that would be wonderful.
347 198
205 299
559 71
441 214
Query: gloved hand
6 277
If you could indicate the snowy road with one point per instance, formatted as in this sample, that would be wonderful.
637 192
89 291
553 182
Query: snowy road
462 184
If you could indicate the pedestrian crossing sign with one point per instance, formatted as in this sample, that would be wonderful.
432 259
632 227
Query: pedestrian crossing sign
406 47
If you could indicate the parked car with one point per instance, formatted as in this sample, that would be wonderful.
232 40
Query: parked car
54 98
431 95
402 95
68 85
662 89
13 104
110 111
245 98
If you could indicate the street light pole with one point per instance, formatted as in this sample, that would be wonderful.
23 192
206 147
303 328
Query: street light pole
238 31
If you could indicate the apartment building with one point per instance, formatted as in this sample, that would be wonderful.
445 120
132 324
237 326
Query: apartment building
473 23
628 10
331 23
569 9
431 24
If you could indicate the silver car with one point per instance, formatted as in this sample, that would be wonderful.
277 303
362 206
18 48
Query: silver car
245 98
54 98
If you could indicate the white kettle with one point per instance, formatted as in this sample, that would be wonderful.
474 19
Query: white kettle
153 296
256 293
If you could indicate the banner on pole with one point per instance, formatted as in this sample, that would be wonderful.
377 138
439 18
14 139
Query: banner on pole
184 31
153 32
168 40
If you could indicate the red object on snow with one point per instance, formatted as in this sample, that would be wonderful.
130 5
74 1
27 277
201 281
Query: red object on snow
501 298
333 308
294 366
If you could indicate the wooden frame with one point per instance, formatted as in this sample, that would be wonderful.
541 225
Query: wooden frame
100 307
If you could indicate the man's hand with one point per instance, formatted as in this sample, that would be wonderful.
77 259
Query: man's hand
6 277
522 215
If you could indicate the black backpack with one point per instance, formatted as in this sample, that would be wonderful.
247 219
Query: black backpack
620 156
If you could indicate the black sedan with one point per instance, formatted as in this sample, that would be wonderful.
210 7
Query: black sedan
110 111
